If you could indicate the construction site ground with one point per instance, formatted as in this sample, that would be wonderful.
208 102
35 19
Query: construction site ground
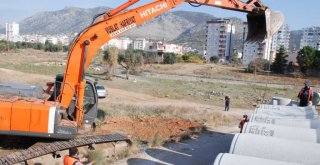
152 111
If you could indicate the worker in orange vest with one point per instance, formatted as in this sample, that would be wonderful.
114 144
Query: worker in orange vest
73 158
243 121
305 95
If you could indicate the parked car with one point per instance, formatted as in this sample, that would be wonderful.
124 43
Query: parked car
102 91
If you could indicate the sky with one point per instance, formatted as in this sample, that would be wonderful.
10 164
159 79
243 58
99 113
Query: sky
299 14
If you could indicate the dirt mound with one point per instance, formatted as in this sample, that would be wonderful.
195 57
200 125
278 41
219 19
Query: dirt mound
147 128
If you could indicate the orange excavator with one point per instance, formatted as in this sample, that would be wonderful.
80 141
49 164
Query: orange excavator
26 111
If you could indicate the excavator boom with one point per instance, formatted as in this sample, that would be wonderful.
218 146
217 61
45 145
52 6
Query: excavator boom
60 115
118 21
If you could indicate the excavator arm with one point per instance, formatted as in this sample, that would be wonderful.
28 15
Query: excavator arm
115 23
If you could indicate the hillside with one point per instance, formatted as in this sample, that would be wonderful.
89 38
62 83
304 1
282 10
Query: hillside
66 21
180 27
175 26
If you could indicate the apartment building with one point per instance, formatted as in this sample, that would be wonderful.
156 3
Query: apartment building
256 49
120 43
12 31
281 38
310 37
220 36
139 44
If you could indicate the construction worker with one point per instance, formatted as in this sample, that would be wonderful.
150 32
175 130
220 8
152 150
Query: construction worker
305 95
73 158
243 121
227 103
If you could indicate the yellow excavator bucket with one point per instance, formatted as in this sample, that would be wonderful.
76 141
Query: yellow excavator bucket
263 24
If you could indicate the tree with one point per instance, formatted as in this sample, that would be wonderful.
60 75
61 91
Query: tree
258 65
131 60
316 61
214 59
280 63
169 58
149 57
306 57
38 46
185 58
3 47
235 59
290 67
110 57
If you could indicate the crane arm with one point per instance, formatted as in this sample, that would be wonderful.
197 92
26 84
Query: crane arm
111 25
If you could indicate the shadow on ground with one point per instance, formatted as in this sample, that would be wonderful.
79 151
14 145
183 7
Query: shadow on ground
19 142
202 150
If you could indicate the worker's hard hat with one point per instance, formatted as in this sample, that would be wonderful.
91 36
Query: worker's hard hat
307 83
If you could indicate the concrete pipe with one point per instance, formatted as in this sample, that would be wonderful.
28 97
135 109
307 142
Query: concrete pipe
276 149
300 134
232 159
286 121
307 113
287 108
280 101
316 98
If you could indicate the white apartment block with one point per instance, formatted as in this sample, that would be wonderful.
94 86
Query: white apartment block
281 38
53 40
172 48
256 49
120 43
164 48
220 35
310 37
139 44
12 31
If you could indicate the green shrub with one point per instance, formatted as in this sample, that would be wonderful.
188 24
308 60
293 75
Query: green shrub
169 58
214 59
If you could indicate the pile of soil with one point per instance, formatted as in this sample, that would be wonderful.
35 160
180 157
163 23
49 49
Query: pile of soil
146 128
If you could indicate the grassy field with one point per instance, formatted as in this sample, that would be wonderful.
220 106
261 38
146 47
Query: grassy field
242 96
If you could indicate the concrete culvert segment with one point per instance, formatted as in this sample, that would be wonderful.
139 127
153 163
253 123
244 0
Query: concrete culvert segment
281 101
299 134
232 159
276 149
286 121
286 108
316 98
307 113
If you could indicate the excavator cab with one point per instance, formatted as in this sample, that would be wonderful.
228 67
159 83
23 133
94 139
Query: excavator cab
90 100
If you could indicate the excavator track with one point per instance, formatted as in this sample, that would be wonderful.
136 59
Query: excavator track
49 148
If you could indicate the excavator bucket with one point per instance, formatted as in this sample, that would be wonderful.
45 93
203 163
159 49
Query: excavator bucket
263 24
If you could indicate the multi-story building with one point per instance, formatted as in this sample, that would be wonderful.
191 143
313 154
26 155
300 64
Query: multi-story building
220 36
254 49
310 37
281 38
139 44
12 31
266 48
120 43
164 48
53 40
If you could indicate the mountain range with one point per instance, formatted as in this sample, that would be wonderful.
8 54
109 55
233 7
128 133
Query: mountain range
181 27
